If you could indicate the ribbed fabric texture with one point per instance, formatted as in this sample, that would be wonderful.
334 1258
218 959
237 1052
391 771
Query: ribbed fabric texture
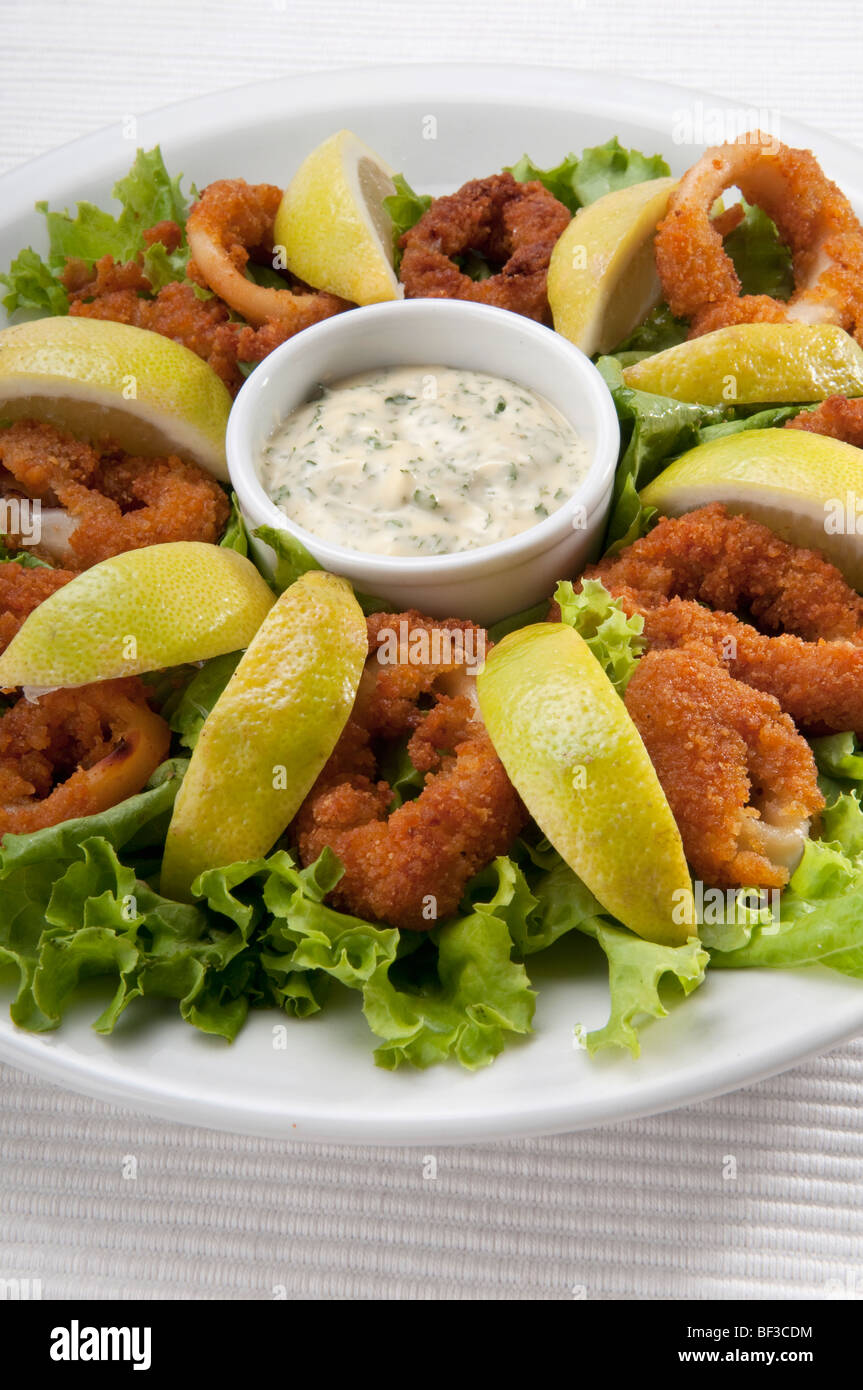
71 68
648 1210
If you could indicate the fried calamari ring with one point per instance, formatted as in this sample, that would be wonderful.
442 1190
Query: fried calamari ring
230 219
814 667
813 217
734 563
117 502
76 752
741 782
819 684
514 225
410 868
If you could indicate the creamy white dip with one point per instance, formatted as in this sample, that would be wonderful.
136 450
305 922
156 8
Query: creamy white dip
422 461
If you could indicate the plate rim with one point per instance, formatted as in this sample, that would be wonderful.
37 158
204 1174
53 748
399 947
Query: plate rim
637 99
34 1053
496 80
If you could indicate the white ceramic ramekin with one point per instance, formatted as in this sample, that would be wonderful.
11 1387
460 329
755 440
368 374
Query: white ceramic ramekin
483 584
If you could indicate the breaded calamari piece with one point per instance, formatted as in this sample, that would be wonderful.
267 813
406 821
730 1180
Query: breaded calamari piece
410 868
118 501
737 565
740 781
73 753
21 590
514 225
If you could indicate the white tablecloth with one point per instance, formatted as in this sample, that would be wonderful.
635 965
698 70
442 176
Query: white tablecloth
644 1210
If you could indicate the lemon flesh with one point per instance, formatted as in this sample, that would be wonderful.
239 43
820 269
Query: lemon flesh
136 612
805 487
336 232
270 733
602 278
755 363
577 761
110 381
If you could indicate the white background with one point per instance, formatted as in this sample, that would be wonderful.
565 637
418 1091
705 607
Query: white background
646 1210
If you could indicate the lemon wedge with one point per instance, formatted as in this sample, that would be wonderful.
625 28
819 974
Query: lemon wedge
755 363
805 487
270 733
577 761
602 278
109 381
139 611
336 233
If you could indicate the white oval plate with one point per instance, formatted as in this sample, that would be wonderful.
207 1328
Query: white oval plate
441 126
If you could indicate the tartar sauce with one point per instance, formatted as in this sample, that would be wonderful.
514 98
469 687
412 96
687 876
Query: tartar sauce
422 461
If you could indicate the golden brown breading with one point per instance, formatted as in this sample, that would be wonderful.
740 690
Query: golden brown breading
21 590
738 565
733 767
410 869
838 417
514 225
119 502
202 325
230 220
76 752
820 684
813 217
814 667
231 223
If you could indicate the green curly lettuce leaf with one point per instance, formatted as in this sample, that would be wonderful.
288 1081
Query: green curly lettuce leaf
452 994
147 195
200 695
820 915
236 537
293 560
77 901
31 285
22 557
660 330
31 865
840 757
636 969
72 909
405 208
761 259
654 431
614 639
554 901
311 935
771 418
559 180
292 557
466 1002
581 179
606 168
405 781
